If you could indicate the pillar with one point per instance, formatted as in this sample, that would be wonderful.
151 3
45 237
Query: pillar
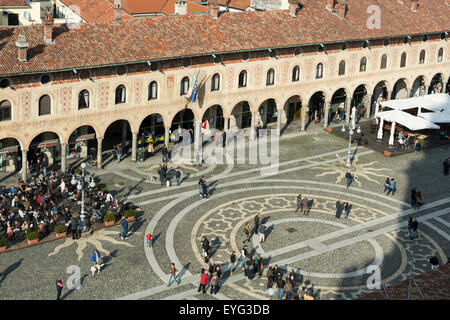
134 146
389 95
326 112
348 104
253 125
63 157
24 164
380 129
391 137
166 136
368 105
303 117
408 93
99 152
279 122
226 124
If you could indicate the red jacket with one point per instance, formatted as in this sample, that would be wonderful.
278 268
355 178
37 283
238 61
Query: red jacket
204 279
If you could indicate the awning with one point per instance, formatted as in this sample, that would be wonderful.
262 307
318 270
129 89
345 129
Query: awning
45 144
407 120
10 149
433 102
436 117
85 137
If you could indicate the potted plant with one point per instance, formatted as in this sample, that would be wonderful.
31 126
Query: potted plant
109 219
32 237
105 190
61 231
3 243
130 214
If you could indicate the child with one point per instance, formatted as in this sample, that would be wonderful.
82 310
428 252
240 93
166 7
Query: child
149 239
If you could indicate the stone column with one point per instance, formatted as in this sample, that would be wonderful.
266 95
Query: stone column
326 112
368 105
279 122
444 87
408 93
226 124
134 146
63 157
303 117
166 136
348 104
389 95
99 152
253 125
24 164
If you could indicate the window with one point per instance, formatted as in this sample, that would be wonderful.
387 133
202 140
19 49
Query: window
341 68
153 90
5 110
4 83
383 62
443 36
45 79
215 82
422 57
296 74
270 77
83 99
321 48
403 60
425 38
406 40
44 105
242 79
363 65
121 94
365 44
319 71
440 54
184 86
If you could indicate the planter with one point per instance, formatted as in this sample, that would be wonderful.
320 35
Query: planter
109 223
130 219
32 242
61 235
3 249
329 129
387 153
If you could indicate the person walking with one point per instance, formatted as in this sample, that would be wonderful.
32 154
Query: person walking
446 166
203 281
339 208
178 175
224 138
74 227
417 146
346 209
205 248
232 262
96 256
214 284
413 197
200 185
59 287
349 178
269 275
414 227
299 203
280 285
256 220
259 265
172 275
124 231
119 153
288 289
387 184
262 233
410 224
149 239
305 205
247 232
205 190
392 187
244 253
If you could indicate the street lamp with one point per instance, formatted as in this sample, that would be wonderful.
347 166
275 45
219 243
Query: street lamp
351 130
83 182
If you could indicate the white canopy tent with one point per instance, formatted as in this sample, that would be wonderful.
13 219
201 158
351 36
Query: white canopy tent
433 102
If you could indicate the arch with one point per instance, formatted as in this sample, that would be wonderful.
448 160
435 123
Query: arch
214 115
380 91
47 143
45 105
101 131
184 118
266 111
436 84
316 105
118 131
83 99
11 160
243 79
184 86
5 110
341 70
292 109
79 142
363 64
296 73
241 116
154 125
400 90
337 102
383 64
215 82
153 90
319 70
121 94
418 87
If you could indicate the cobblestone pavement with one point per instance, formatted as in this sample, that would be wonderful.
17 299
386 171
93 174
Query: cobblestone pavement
329 254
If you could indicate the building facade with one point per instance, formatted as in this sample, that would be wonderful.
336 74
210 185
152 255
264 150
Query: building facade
45 108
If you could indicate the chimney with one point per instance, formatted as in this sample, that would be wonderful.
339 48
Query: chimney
330 4
341 8
22 44
214 8
48 25
293 6
414 5
118 10
180 7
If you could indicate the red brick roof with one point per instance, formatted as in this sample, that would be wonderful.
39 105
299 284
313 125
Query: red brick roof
157 6
13 3
164 37
238 4
434 285
95 11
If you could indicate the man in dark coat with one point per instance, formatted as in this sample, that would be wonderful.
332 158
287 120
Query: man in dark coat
256 220
59 287
339 208
446 166
74 227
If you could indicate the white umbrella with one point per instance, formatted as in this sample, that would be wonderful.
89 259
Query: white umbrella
380 130
391 137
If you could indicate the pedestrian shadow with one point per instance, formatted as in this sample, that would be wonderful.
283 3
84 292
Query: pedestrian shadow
265 219
10 269
269 231
155 238
108 258
73 289
186 177
310 204
137 224
183 271
215 245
